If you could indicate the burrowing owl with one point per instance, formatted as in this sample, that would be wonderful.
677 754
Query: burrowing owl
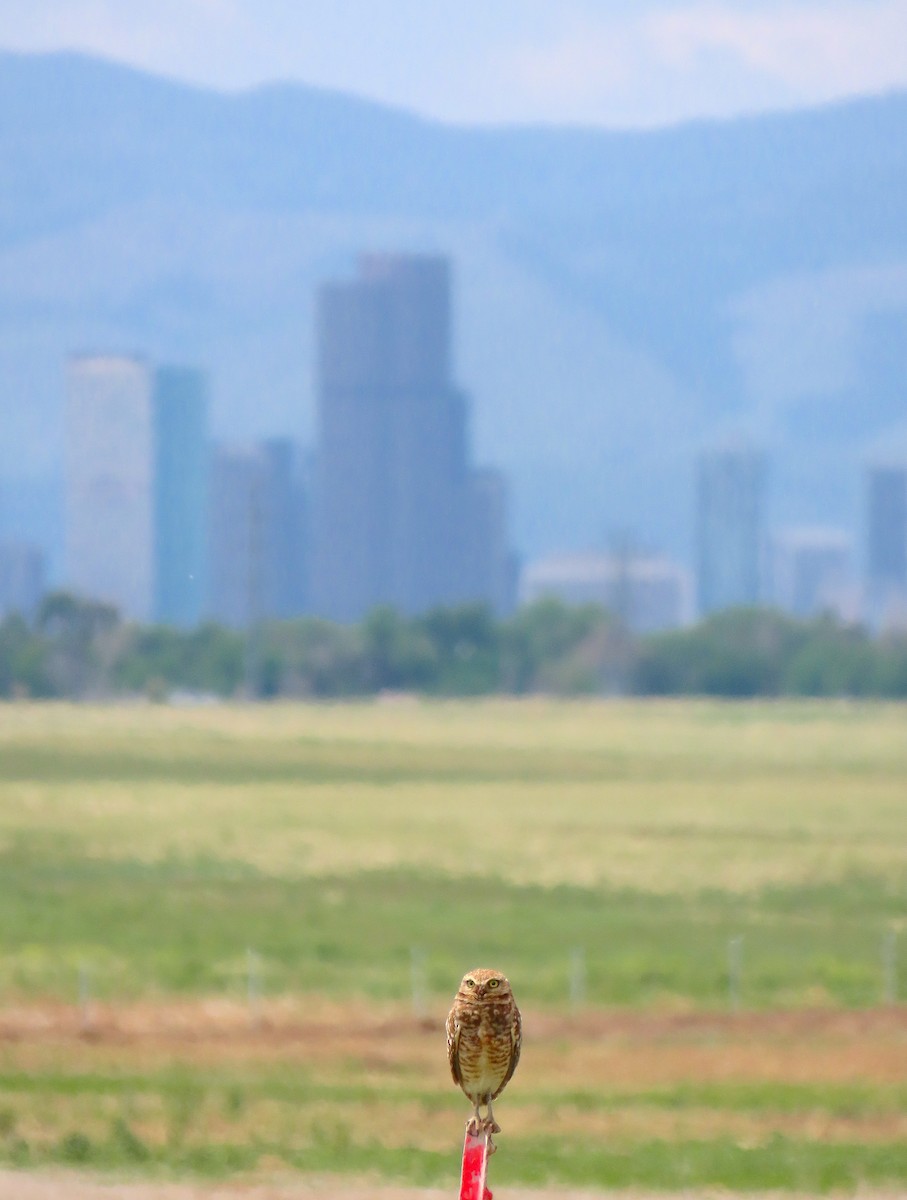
484 1033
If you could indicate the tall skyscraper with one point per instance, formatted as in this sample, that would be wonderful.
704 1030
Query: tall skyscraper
109 482
393 518
181 494
886 543
729 528
136 487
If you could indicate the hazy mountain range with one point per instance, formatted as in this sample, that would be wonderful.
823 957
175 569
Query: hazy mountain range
622 299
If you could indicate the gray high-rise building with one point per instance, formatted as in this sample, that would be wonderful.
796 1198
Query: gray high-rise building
395 517
235 538
110 482
811 572
491 570
257 533
729 528
285 527
886 544
181 494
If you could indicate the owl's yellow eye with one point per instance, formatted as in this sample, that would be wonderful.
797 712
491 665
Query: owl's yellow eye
493 983
470 982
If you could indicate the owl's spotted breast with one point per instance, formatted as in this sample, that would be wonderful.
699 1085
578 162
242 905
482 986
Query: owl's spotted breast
486 1050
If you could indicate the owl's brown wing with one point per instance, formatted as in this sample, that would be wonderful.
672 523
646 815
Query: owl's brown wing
453 1047
516 1044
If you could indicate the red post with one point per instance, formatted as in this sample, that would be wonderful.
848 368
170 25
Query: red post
475 1167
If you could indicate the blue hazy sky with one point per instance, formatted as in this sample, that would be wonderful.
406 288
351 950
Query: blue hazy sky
627 62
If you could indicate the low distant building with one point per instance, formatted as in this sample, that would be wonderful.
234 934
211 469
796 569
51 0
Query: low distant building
812 573
647 593
22 579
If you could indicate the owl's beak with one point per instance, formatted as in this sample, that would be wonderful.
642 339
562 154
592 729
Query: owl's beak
480 990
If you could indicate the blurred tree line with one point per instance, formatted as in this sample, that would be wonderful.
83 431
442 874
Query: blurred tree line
79 649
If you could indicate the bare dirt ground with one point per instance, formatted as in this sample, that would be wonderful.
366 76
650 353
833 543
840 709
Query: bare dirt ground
634 1049
282 1022
60 1186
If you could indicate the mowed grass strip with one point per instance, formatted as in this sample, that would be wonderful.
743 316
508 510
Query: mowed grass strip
217 1122
664 838
662 798
129 929
229 1135
870 1107
493 739
802 1167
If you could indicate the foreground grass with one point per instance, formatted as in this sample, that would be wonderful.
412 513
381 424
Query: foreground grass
144 852
216 1125
802 1167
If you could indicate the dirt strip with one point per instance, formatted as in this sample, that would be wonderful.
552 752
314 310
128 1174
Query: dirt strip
41 1185
281 1021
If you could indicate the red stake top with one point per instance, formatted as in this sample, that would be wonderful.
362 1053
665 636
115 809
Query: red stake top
475 1167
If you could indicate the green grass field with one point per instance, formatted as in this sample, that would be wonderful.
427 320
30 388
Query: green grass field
145 850
154 846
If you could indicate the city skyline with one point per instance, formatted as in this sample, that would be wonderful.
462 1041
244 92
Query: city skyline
138 497
426 527
168 527
621 302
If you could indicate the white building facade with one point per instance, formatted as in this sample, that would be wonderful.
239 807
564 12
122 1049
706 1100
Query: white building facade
109 553
648 594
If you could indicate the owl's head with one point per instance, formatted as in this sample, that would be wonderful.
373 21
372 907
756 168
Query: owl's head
484 984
